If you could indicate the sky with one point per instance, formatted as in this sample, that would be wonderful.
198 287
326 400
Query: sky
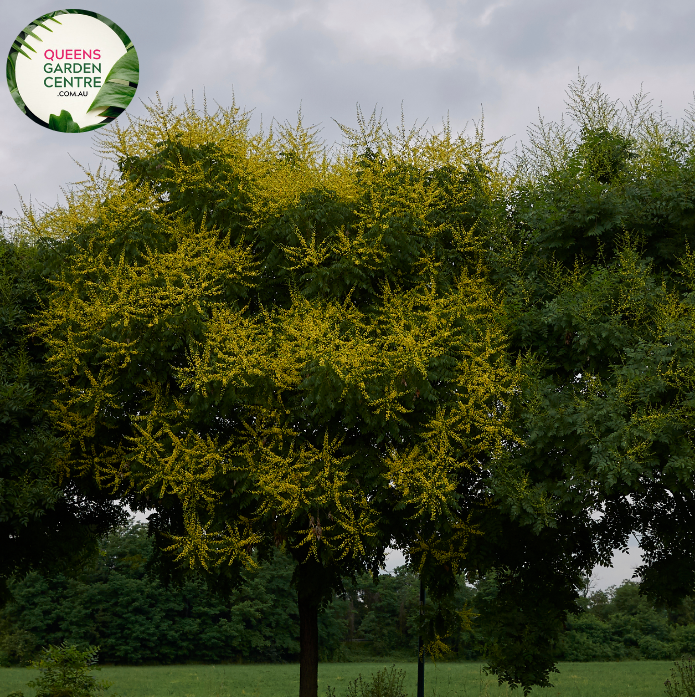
506 59
623 565
435 58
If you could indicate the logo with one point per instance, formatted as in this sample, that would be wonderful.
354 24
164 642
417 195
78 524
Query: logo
72 70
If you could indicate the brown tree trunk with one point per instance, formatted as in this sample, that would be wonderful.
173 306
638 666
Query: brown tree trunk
420 668
309 647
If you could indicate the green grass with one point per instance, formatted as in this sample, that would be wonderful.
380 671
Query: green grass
627 679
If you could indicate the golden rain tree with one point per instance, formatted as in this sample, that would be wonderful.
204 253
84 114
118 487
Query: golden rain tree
272 344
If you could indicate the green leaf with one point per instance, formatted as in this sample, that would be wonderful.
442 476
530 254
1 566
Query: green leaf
43 26
19 50
24 43
116 28
63 123
51 16
125 68
113 94
10 70
31 33
93 127
12 80
111 112
18 98
116 92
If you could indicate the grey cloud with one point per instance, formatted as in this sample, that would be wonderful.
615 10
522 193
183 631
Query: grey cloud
331 89
435 56
530 33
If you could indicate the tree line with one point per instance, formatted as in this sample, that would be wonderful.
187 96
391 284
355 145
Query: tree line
117 603
413 340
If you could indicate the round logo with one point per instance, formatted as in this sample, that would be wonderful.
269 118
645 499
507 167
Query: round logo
72 70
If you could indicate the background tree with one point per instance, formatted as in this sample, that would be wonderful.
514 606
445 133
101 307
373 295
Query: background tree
113 602
597 263
134 618
46 523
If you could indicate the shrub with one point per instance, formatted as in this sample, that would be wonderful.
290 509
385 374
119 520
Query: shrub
17 646
64 672
384 684
682 683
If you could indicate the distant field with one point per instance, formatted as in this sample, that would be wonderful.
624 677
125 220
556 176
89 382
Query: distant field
628 679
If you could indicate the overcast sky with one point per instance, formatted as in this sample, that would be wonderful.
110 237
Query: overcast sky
508 58
623 566
437 57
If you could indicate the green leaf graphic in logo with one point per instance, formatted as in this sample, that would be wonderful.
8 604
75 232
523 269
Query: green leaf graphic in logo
63 123
12 80
119 87
11 67
28 31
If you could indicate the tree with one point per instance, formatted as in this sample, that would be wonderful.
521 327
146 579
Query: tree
621 623
597 262
274 345
271 347
113 602
46 523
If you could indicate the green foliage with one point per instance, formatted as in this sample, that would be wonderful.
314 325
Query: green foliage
270 348
621 624
63 122
597 263
275 346
304 398
64 672
17 645
44 523
135 619
385 615
119 86
386 683
18 46
682 678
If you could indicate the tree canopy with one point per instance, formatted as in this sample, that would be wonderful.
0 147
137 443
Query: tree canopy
45 524
398 341
598 268
269 347
595 257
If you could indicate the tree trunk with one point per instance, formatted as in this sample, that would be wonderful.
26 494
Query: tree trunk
420 670
309 647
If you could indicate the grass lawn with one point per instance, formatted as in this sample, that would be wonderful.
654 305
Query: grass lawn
627 679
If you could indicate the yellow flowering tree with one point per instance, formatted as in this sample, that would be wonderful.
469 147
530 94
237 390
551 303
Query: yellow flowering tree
271 343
